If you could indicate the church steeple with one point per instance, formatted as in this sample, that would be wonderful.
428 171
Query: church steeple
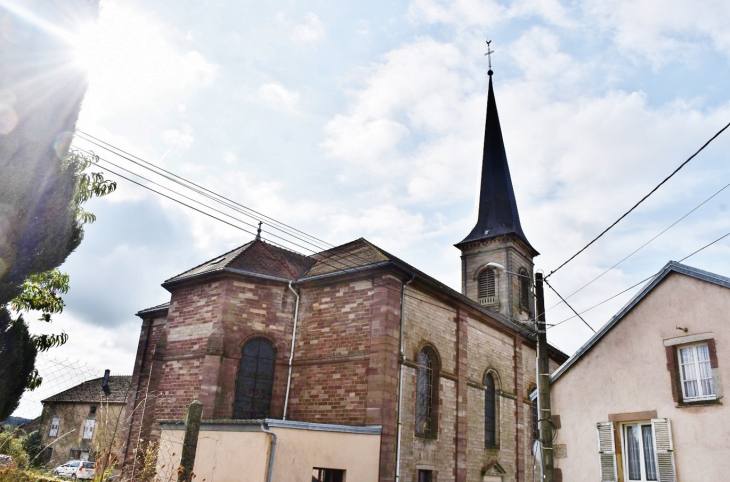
497 239
498 214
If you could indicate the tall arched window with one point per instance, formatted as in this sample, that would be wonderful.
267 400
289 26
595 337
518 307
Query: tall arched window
524 289
490 412
255 380
426 392
487 282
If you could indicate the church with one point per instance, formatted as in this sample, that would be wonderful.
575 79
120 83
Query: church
350 364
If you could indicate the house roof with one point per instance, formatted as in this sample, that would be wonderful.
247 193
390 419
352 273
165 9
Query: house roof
670 267
498 215
162 307
90 391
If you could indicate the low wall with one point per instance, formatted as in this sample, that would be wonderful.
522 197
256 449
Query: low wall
239 451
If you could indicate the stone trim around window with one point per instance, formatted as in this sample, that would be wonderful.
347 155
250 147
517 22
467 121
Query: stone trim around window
671 347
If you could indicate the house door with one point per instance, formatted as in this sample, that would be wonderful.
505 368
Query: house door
638 442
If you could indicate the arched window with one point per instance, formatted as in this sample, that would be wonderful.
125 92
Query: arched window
490 412
426 392
487 282
524 289
255 380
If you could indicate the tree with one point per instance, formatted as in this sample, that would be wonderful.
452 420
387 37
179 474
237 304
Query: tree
41 185
42 292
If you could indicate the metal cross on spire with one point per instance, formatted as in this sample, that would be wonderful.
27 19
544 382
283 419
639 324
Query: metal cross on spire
258 232
489 55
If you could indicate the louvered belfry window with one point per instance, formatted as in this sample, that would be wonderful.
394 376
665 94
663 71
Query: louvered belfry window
255 380
426 393
487 287
524 289
490 412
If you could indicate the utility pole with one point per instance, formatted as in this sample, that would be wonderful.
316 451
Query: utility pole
543 384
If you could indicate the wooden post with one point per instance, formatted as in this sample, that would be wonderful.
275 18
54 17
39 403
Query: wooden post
190 444
543 384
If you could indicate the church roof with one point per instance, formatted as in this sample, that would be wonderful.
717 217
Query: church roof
255 257
498 214
261 259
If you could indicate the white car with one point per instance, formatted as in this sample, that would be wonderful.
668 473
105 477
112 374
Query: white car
75 469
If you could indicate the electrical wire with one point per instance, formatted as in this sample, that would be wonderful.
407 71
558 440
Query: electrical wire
200 189
640 282
243 229
640 247
641 200
568 304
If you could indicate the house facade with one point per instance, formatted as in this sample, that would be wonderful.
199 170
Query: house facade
351 350
643 399
82 421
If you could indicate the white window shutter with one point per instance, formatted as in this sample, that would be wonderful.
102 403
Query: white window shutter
607 452
664 449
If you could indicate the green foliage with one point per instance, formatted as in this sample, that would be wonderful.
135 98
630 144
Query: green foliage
89 185
42 292
12 443
17 352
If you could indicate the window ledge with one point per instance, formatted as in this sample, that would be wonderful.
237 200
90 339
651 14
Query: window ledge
699 403
424 436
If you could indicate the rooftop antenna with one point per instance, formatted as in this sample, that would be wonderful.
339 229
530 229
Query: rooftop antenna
258 231
489 56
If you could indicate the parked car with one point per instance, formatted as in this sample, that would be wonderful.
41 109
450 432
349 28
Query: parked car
75 469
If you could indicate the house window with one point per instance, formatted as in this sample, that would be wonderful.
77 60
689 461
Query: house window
425 476
426 393
92 412
639 448
89 429
647 448
696 373
327 475
490 412
524 289
487 282
55 424
255 380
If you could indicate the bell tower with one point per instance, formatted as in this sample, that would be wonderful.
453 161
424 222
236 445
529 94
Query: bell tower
497 237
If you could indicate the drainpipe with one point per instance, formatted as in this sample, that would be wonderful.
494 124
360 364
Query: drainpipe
402 356
272 454
291 353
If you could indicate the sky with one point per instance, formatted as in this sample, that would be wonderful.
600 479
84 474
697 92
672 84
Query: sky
365 119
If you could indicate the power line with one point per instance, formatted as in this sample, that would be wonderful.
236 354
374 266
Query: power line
568 304
640 247
640 282
177 179
640 201
246 231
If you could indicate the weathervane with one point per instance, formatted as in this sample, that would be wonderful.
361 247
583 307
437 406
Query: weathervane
489 55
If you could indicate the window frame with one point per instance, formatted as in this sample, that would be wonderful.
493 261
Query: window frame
525 282
431 431
484 273
51 432
672 348
241 413
696 364
642 447
491 374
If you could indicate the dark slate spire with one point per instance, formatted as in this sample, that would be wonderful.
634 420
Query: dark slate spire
497 206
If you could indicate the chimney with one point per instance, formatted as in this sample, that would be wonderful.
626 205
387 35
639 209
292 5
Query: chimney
105 383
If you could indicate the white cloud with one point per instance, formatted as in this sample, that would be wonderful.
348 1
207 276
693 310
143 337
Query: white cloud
662 31
311 30
134 65
279 97
175 138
